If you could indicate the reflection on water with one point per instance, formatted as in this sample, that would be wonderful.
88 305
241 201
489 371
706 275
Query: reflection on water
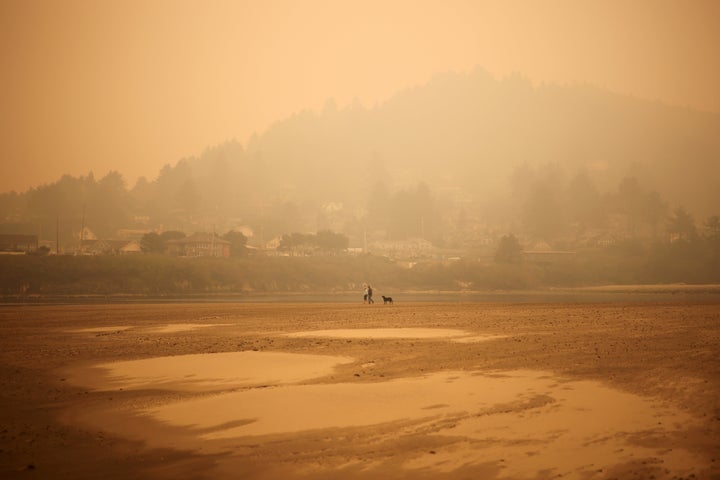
573 429
524 424
528 416
382 333
184 327
170 328
102 329
306 407
460 336
477 338
209 371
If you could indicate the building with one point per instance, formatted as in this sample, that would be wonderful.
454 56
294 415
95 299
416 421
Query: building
109 247
131 248
542 253
402 249
12 243
199 245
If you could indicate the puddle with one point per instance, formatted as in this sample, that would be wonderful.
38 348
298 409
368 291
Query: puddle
573 429
184 327
478 338
523 424
382 333
170 328
525 416
338 405
118 328
482 404
201 372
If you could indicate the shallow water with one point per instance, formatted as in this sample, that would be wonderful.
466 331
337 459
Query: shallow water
529 417
382 333
523 424
208 371
459 336
170 328
295 408
474 398
574 429
184 327
117 328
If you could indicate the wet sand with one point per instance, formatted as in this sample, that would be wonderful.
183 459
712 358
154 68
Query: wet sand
340 390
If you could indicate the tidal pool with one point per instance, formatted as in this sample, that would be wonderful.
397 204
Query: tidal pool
118 328
184 327
471 398
523 421
200 372
169 328
459 336
574 429
522 424
382 333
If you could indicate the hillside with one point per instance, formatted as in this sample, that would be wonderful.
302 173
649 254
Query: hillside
472 131
463 148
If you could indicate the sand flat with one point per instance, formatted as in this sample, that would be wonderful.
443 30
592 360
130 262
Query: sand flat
613 390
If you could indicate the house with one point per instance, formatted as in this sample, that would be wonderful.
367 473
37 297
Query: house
402 249
12 243
199 245
131 248
542 253
109 247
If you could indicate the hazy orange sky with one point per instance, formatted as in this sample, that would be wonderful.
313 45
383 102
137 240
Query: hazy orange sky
132 85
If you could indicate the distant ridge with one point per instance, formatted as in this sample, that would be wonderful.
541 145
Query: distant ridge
462 144
472 131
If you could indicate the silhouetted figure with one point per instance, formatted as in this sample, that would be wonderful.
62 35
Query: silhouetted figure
369 295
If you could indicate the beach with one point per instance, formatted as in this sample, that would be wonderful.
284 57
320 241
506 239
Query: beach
621 389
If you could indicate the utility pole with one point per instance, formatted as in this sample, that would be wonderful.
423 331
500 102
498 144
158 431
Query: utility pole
82 231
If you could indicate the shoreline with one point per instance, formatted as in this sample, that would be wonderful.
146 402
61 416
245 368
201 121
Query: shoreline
589 294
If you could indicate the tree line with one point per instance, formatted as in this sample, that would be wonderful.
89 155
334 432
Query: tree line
691 260
546 163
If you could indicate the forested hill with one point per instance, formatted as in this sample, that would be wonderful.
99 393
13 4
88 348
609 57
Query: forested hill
461 139
473 131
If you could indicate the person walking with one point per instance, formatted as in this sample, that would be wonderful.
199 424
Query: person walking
365 294
369 295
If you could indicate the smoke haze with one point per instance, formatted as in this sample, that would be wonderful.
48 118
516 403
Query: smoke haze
132 86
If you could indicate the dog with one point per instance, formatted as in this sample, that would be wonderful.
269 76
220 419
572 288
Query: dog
387 300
